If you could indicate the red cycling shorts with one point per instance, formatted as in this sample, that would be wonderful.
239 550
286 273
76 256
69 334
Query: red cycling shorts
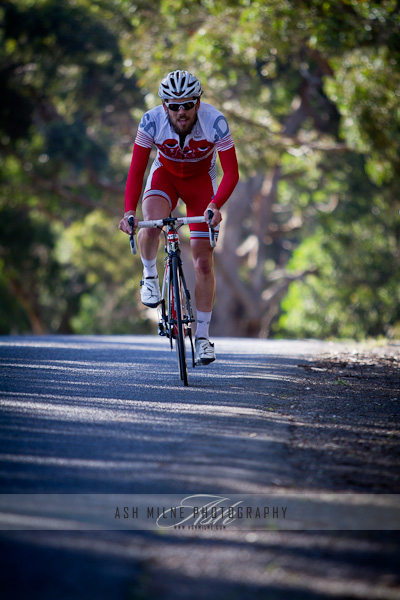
195 192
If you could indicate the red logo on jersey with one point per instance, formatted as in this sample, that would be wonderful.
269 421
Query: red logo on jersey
193 150
171 149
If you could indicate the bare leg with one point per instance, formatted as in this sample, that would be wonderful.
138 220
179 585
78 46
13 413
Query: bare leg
154 207
204 290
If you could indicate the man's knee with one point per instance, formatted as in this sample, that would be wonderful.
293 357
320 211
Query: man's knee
155 207
151 233
203 264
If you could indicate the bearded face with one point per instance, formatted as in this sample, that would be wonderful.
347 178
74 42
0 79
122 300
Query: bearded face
183 119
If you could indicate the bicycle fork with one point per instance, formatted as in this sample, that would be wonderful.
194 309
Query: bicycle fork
167 324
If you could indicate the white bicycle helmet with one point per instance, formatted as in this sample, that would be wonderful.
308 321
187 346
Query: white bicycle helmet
179 84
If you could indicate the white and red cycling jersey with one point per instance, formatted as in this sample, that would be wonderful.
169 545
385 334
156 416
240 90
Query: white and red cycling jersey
187 172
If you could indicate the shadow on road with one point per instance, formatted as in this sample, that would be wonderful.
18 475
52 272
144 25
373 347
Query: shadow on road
109 415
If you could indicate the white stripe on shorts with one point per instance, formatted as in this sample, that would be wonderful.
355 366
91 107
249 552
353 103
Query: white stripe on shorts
203 234
157 193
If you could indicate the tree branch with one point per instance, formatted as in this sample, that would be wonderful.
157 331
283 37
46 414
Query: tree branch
241 292
285 279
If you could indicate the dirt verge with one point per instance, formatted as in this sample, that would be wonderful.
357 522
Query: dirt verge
346 432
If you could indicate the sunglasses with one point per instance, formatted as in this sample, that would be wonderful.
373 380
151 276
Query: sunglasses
186 105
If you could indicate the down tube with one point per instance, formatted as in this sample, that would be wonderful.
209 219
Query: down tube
180 341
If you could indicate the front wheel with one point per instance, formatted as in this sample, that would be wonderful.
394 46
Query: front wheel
180 326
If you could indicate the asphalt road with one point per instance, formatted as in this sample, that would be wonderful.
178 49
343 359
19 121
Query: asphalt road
109 415
105 414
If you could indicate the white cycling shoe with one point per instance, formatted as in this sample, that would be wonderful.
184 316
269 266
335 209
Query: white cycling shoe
150 291
205 353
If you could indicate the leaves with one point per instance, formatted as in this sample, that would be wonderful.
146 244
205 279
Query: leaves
311 92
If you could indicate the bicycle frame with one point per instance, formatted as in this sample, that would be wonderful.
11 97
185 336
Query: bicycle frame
175 311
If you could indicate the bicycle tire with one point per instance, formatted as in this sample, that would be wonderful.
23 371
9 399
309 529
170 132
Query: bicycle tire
168 316
187 315
180 338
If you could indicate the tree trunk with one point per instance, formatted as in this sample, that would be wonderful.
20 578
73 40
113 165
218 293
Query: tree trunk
32 312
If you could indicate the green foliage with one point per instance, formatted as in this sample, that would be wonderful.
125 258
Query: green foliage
356 252
311 91
64 80
349 298
100 252
367 90
29 274
65 99
69 143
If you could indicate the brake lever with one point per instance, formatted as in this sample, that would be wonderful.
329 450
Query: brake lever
211 230
132 238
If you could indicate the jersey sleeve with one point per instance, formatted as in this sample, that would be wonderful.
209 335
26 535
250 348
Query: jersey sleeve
134 184
143 140
226 143
140 157
230 178
147 130
222 136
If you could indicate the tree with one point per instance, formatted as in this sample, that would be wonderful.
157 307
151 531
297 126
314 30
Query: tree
288 76
64 124
310 90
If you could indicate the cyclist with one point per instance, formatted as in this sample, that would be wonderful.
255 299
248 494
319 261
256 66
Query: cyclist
188 134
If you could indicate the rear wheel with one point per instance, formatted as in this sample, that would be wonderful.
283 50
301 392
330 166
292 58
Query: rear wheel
180 326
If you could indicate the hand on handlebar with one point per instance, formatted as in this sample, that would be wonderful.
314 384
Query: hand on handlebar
217 217
126 227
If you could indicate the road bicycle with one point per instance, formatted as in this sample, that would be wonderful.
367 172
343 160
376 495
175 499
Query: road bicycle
175 315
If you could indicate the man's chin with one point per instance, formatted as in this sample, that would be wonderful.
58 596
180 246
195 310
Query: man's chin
185 127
